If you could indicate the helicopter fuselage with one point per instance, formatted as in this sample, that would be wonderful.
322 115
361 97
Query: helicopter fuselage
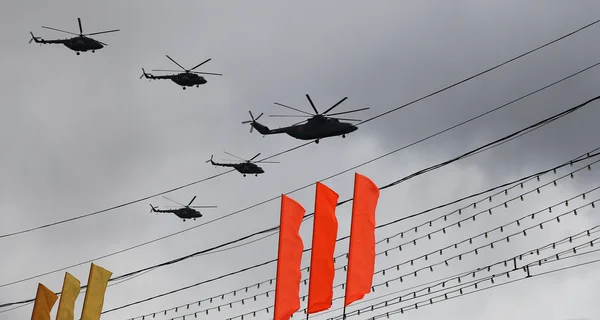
188 79
243 168
248 168
187 213
82 44
315 128
183 213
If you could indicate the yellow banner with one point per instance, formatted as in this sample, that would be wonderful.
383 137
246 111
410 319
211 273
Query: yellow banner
94 295
70 292
44 301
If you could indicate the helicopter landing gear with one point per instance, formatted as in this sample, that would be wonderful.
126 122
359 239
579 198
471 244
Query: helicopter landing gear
93 51
194 219
256 175
197 86
183 220
244 174
343 136
78 53
183 88
317 141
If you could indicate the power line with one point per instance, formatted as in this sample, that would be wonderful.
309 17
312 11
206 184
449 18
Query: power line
515 183
475 283
481 73
553 245
387 283
306 186
488 145
301 145
437 282
467 154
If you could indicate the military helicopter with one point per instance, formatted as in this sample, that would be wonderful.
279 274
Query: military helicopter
79 44
185 79
246 167
319 125
184 213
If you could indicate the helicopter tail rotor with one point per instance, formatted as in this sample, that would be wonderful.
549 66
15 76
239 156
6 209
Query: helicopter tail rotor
34 38
144 74
253 121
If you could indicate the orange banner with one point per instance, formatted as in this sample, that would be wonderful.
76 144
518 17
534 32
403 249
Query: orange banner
289 257
361 255
322 269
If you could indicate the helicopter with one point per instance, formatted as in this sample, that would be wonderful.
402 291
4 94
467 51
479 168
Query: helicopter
80 43
246 167
184 213
185 79
319 125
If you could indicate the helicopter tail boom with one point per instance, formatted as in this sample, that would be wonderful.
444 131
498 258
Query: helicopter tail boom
218 164
262 129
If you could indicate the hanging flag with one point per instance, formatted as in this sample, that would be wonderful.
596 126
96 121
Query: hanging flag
44 301
361 254
289 257
69 293
94 295
322 268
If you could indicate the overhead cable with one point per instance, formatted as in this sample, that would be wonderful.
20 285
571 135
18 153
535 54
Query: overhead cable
495 143
304 144
459 291
398 248
506 263
306 186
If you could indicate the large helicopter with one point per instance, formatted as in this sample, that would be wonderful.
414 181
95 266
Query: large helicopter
188 78
184 213
246 167
80 43
317 127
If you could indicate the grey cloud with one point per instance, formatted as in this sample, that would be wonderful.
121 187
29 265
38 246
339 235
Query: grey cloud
83 133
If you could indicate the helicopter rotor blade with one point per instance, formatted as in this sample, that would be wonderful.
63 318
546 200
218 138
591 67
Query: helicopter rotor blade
344 112
174 201
194 198
203 206
176 63
288 115
205 61
297 123
254 157
283 105
267 162
101 32
233 155
312 104
345 119
210 73
162 70
80 28
60 30
335 105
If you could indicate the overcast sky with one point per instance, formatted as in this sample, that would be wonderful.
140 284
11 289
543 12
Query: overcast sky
83 133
